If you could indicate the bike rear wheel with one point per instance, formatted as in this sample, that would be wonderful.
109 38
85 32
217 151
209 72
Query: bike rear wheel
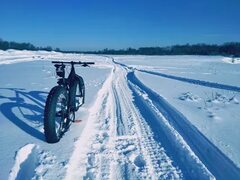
56 114
77 93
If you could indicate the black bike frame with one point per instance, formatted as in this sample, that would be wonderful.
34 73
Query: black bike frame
67 82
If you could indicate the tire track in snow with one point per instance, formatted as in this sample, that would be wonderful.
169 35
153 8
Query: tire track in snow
212 158
126 142
166 135
216 162
104 153
148 154
195 81
120 128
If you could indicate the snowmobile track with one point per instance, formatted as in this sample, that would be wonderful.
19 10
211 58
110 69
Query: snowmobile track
154 162
134 133
195 81
120 125
211 157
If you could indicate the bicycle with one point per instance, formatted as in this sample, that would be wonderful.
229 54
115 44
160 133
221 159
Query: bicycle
63 101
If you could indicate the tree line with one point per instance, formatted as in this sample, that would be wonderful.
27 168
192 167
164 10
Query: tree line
4 45
227 49
230 48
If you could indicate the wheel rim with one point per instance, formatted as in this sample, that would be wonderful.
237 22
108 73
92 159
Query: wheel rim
61 111
79 97
71 116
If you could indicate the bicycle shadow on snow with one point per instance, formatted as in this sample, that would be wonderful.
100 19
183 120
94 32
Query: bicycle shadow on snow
25 110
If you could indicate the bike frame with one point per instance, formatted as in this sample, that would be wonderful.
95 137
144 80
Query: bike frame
63 101
67 82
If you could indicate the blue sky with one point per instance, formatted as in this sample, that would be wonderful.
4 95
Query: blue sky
98 24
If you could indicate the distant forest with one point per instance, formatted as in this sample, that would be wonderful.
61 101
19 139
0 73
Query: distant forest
4 45
226 49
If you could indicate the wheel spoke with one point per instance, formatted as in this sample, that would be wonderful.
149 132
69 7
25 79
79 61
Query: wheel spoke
61 113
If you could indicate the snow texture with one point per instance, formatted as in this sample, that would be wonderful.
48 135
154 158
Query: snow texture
145 117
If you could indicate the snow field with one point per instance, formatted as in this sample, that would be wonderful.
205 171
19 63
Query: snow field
23 92
145 118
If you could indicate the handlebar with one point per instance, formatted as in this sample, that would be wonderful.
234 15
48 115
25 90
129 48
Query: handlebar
73 62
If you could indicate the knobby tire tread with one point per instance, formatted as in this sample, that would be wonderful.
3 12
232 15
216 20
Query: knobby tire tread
50 113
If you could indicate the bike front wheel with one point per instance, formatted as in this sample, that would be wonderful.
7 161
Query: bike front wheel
55 114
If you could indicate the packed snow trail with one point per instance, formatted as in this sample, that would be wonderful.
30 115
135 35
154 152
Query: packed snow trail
138 134
148 153
129 132
119 144
216 162
154 106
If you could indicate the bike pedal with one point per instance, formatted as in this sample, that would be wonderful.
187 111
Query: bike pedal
77 121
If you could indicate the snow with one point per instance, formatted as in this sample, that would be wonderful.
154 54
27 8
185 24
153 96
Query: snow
23 92
232 60
24 162
145 117
212 108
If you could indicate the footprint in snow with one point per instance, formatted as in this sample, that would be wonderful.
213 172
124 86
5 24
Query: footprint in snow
139 161
188 96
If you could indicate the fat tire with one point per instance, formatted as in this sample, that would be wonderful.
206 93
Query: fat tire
50 114
78 83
